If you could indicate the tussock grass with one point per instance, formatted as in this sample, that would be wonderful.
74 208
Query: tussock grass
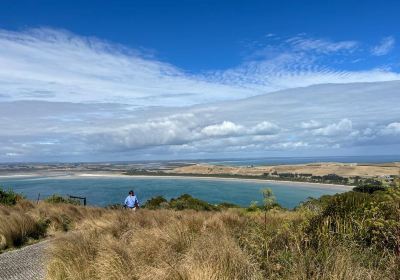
161 244
17 227
347 236
25 221
231 244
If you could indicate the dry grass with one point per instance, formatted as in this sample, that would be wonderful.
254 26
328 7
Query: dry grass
317 169
166 244
154 245
16 227
96 243
26 222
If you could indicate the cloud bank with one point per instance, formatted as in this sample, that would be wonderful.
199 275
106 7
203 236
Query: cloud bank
67 97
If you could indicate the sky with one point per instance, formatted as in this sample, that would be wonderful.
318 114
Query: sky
148 80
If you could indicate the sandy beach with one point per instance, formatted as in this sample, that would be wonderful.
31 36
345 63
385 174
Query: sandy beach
220 172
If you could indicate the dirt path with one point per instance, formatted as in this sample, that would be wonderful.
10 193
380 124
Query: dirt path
25 263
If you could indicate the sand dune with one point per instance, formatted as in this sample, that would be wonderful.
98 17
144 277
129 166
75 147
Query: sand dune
316 169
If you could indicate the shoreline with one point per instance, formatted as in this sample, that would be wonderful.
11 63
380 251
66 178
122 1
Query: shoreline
181 177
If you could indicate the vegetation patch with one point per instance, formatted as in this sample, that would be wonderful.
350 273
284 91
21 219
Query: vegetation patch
185 202
9 197
353 235
25 222
55 198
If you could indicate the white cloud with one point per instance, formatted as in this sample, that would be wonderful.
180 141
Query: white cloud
321 45
392 129
172 130
55 65
37 130
385 46
264 128
343 127
226 128
90 98
58 66
310 124
290 145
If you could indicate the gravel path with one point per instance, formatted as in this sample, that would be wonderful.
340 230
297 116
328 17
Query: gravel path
25 263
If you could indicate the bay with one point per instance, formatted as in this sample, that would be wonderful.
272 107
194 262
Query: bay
103 191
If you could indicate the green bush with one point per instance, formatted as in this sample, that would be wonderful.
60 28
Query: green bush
186 201
9 197
369 188
183 202
253 207
157 202
369 220
61 199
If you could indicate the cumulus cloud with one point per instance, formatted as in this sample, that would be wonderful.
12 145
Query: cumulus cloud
310 124
226 128
392 129
385 46
71 131
172 130
264 128
343 127
179 129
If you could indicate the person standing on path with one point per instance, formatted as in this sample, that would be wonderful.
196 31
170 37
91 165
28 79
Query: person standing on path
131 201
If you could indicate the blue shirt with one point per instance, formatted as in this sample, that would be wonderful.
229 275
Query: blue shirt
131 200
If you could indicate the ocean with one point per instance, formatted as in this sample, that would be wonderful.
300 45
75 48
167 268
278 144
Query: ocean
103 191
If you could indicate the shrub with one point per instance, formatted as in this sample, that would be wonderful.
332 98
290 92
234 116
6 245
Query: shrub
183 202
60 199
156 203
186 201
253 207
369 188
269 200
9 197
360 217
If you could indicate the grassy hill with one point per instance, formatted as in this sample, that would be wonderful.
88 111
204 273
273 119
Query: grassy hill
354 235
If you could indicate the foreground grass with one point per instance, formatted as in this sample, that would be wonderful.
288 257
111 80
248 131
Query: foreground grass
26 222
354 235
232 244
162 244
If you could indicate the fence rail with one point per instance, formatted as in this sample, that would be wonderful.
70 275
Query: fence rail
79 197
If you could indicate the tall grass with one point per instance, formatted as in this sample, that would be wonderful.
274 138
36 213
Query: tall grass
232 244
346 236
25 222
161 244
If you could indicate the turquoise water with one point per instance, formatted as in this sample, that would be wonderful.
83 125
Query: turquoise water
103 191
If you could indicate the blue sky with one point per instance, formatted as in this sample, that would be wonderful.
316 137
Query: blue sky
207 35
124 80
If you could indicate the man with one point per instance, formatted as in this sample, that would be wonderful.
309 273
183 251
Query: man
131 201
